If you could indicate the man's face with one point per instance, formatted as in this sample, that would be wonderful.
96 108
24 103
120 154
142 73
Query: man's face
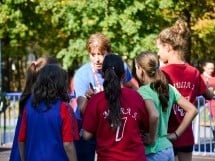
97 57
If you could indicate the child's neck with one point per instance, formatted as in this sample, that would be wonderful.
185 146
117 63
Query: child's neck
148 80
207 75
175 58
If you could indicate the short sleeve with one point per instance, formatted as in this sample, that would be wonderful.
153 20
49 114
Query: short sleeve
146 92
128 75
69 127
79 84
175 92
22 131
145 115
90 118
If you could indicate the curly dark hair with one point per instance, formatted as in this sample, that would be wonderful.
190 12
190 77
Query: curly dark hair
51 85
31 75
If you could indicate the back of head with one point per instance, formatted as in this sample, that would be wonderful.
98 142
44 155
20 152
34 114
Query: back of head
114 63
177 36
113 70
99 41
34 68
31 75
42 61
51 85
149 62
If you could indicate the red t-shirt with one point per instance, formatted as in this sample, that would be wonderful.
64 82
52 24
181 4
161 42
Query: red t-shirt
69 126
123 143
210 82
187 80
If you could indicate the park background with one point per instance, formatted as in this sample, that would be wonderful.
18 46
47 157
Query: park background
60 28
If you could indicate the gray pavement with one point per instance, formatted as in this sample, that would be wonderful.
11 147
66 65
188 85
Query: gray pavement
5 153
203 158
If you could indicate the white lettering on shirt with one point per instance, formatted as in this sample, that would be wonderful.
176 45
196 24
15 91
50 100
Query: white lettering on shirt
120 129
185 85
178 109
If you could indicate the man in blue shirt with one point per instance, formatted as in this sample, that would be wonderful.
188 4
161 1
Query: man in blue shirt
88 80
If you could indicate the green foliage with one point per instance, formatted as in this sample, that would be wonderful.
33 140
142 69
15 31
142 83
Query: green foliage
61 27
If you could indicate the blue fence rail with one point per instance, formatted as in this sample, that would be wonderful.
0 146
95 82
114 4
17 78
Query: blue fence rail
204 128
8 116
203 124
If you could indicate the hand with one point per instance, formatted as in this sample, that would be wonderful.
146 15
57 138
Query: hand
89 93
172 136
147 139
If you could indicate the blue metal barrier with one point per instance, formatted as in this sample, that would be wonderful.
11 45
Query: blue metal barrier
203 129
8 116
9 111
203 125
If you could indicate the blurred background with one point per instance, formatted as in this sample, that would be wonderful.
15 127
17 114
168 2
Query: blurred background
60 28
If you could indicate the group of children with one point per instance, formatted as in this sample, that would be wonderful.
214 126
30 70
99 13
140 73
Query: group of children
120 119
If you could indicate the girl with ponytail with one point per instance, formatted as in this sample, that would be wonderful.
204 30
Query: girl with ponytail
173 45
116 116
159 97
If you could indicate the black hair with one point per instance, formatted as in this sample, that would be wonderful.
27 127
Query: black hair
51 85
204 63
113 70
31 75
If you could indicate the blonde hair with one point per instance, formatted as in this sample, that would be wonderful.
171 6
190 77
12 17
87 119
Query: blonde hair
100 41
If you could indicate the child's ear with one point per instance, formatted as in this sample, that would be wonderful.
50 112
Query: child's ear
142 73
169 47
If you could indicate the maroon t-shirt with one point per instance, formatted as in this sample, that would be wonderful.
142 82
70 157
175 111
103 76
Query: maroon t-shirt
123 143
188 81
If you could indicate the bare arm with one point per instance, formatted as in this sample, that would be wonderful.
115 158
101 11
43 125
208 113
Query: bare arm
153 122
87 135
190 113
82 102
22 150
70 151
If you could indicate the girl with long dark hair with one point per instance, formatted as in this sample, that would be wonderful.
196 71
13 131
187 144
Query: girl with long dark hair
116 116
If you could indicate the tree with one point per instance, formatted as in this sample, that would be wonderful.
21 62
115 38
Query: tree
61 27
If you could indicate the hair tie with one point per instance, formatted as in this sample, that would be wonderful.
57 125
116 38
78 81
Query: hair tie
111 67
156 67
35 63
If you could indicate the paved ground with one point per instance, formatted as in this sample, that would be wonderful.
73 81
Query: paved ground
201 158
5 153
